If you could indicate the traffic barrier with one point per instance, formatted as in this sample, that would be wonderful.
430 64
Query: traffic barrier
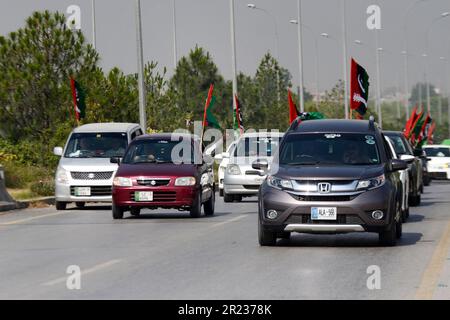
4 195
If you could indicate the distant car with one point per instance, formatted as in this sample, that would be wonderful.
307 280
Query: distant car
84 172
439 163
150 177
405 151
240 179
404 178
224 159
331 176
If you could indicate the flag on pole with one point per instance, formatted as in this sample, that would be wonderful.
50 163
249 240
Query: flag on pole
207 103
293 111
78 96
211 121
409 124
423 133
359 89
237 116
416 127
430 132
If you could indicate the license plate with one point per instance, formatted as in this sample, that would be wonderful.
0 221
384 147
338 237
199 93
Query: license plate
143 196
82 191
323 213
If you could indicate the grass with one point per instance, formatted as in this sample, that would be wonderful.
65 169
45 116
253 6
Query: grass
22 194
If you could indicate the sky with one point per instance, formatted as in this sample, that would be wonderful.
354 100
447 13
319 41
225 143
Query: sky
207 23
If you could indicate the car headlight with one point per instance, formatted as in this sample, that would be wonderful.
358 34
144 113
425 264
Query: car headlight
185 181
122 182
371 183
446 165
233 169
279 183
62 176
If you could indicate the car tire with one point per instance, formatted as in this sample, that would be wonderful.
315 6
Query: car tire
221 192
399 229
117 212
208 206
135 211
415 200
426 181
196 209
80 205
60 205
389 237
405 215
266 237
227 197
284 235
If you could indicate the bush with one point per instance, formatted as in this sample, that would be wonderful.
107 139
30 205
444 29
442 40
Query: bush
43 188
18 176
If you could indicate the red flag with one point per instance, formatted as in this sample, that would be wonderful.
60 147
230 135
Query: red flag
410 122
208 100
416 120
359 89
430 132
238 116
293 112
423 129
74 97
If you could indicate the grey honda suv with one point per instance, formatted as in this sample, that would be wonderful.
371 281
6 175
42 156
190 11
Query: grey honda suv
329 177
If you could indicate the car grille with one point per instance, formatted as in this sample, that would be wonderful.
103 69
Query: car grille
323 198
160 196
252 172
92 175
341 219
95 190
153 182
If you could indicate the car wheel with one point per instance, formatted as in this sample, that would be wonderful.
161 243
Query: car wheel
284 235
117 212
389 237
238 198
227 197
426 182
399 229
135 211
196 209
415 200
209 205
405 215
60 205
266 237
80 205
221 192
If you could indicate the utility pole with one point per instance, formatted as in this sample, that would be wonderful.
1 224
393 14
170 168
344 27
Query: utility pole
344 40
174 19
94 38
233 53
140 65
300 56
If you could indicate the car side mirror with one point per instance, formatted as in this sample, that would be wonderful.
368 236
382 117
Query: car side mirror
58 151
418 153
397 165
407 158
115 160
261 164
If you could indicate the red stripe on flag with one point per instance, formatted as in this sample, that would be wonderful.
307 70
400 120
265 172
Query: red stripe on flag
208 100
293 112
74 97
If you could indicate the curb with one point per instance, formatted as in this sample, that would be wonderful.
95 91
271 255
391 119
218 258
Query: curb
23 204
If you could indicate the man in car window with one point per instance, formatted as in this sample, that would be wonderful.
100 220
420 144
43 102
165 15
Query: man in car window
355 154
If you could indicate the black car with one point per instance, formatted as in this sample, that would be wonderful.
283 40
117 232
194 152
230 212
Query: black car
416 168
331 176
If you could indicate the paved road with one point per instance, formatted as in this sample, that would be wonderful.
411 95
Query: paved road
167 255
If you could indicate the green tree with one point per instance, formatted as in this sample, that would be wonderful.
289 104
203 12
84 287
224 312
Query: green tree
36 63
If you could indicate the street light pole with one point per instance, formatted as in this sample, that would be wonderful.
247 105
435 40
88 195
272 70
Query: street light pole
300 56
94 39
174 20
344 40
233 53
140 64
377 52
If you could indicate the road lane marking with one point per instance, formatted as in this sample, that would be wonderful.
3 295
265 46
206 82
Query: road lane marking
33 218
85 272
433 271
228 221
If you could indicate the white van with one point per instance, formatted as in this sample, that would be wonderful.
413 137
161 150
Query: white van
85 173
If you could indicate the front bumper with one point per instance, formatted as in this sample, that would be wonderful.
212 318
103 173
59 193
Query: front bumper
242 184
353 213
100 191
439 174
168 197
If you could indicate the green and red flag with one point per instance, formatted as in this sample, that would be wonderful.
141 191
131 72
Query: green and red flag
211 121
293 111
237 116
78 97
430 132
359 89
424 130
409 124
417 127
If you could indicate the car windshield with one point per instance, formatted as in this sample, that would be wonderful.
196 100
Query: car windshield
330 148
398 144
256 146
437 152
96 145
159 151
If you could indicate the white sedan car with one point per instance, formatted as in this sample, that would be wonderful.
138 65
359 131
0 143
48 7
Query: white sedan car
224 159
439 161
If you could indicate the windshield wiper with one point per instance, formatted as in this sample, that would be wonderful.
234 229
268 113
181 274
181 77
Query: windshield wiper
305 163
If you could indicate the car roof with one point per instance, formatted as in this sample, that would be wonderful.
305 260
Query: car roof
335 125
436 146
106 127
393 133
262 134
166 136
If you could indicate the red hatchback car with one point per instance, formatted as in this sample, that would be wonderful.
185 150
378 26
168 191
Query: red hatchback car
163 171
